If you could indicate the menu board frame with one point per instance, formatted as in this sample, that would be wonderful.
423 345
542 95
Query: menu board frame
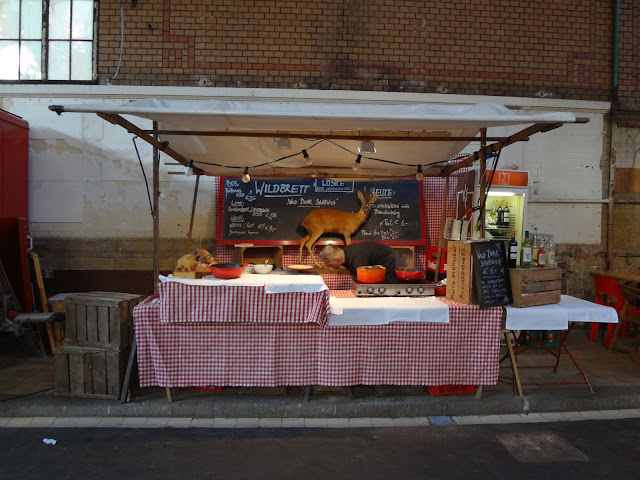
403 210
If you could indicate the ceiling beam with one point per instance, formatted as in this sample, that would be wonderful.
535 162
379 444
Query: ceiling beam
439 136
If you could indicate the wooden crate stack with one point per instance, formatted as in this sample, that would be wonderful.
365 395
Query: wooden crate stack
99 333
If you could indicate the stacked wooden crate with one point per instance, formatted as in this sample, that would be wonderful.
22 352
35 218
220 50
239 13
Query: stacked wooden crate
99 333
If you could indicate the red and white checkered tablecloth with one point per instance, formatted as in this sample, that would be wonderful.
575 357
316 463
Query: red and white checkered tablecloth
183 303
181 354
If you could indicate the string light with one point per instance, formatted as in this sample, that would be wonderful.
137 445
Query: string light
188 171
246 178
307 158
419 174
356 165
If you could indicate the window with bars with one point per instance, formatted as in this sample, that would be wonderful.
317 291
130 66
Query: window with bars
46 40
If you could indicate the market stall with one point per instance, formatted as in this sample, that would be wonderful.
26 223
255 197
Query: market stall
224 337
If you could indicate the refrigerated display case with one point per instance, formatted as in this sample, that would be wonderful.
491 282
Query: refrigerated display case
512 187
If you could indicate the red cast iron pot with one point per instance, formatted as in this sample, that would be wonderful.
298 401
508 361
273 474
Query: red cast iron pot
227 270
374 274
410 274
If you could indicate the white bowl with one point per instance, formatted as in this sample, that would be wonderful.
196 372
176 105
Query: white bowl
262 268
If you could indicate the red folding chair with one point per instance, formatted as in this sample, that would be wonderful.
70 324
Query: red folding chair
608 293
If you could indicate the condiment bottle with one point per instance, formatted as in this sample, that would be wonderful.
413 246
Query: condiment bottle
542 256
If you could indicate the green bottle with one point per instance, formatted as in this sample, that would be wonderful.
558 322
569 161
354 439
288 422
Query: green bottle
526 251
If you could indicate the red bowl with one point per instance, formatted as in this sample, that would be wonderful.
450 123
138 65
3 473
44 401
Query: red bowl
410 274
441 291
227 270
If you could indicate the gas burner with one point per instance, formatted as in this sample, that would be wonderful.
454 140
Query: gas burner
394 289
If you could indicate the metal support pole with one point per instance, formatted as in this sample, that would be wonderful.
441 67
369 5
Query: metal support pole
156 222
193 213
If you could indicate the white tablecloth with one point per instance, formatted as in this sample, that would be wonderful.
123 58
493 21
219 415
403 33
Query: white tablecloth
558 316
272 283
385 310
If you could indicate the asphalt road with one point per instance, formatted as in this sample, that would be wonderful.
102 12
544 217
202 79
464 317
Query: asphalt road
562 450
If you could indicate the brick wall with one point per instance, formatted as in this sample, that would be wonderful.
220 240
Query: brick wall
551 49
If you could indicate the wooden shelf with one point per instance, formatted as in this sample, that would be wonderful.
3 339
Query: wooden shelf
260 254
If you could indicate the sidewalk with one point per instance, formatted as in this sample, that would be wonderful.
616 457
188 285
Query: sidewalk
26 390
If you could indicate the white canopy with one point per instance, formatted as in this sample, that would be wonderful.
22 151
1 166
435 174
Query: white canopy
224 137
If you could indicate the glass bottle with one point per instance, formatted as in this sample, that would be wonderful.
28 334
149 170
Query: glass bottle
551 254
513 250
542 256
506 215
526 251
499 215
534 246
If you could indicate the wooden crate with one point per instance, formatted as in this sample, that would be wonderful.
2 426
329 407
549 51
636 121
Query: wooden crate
535 286
103 317
90 370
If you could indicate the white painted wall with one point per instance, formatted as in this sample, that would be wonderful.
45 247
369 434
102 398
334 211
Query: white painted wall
85 180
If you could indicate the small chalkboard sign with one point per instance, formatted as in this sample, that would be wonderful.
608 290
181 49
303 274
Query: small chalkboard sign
491 273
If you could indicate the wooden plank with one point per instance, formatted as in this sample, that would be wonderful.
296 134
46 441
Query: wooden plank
71 332
97 300
76 373
87 372
43 298
525 275
537 287
103 325
113 367
542 298
115 325
62 372
92 323
81 323
99 373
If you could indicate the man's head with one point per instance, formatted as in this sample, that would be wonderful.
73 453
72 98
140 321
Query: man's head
332 256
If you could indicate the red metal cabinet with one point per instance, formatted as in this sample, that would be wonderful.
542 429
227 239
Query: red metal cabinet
14 204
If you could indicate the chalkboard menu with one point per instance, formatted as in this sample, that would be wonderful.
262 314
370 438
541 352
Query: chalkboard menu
491 273
270 211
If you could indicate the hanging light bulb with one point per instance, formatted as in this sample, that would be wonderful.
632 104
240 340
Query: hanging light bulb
419 174
246 178
188 171
307 158
356 165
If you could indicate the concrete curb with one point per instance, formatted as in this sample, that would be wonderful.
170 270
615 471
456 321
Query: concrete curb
206 404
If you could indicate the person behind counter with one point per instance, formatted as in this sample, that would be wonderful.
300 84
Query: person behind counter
363 254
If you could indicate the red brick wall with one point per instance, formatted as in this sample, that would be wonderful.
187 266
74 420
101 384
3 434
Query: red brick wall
551 49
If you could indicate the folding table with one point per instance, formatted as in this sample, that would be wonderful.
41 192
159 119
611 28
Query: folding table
562 317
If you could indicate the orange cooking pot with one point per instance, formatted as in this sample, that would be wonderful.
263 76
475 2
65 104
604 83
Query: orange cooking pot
371 274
